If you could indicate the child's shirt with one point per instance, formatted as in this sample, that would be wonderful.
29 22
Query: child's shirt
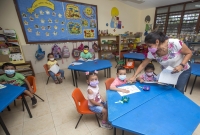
51 63
96 96
147 78
117 82
86 55
16 80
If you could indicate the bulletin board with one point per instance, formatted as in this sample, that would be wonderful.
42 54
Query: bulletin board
57 20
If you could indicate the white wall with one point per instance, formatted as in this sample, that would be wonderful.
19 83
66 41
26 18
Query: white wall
129 16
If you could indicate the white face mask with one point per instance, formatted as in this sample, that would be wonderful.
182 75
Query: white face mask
51 59
122 77
149 74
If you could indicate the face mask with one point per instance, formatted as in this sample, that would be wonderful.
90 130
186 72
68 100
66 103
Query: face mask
9 72
122 77
149 74
85 51
153 50
94 83
51 59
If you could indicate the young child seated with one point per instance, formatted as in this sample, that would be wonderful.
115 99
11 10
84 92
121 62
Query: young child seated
17 79
50 63
95 101
121 79
149 75
86 54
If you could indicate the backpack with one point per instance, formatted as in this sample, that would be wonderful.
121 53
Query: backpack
56 50
81 47
95 47
92 52
39 54
65 52
75 52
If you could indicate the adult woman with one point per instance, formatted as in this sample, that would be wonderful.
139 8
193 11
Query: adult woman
168 52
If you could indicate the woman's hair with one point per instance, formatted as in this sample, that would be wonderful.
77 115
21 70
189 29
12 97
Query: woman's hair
8 64
86 46
153 36
149 66
49 55
90 74
120 68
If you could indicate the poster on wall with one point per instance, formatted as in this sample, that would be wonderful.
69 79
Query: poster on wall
57 20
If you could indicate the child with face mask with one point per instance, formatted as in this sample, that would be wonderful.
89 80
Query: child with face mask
121 79
95 101
86 54
50 63
17 79
149 75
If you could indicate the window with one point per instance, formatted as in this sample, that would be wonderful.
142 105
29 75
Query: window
177 19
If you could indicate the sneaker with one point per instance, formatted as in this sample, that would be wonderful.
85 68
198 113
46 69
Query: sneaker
99 116
106 125
60 80
34 101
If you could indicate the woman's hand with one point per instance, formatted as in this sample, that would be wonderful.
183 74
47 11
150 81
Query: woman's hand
141 81
177 69
132 79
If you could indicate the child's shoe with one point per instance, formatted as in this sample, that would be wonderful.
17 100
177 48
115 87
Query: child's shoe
106 125
34 101
60 80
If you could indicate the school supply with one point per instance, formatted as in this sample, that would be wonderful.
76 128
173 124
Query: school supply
145 88
55 68
56 51
39 54
167 77
65 53
75 52
2 86
132 89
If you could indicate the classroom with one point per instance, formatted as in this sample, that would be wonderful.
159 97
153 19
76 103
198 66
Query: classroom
99 67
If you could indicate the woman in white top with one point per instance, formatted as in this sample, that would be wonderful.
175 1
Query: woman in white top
168 52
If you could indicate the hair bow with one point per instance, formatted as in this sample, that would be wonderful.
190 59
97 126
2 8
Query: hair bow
86 73
96 72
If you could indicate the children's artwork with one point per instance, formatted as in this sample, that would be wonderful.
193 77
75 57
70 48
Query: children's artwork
55 68
115 21
57 20
132 89
148 27
16 57
4 51
15 50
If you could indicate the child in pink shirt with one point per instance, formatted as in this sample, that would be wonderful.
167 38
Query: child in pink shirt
121 79
149 75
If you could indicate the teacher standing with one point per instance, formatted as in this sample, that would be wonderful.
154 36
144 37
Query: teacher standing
168 52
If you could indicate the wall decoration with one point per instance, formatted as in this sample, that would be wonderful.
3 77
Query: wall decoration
148 27
115 21
57 20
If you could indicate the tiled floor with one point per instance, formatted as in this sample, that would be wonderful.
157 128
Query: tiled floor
58 115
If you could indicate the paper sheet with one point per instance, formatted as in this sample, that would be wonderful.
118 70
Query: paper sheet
81 59
167 77
2 86
76 63
150 82
55 68
131 88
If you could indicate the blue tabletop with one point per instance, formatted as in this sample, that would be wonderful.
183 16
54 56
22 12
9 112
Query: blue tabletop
91 66
136 56
195 69
9 94
116 110
170 113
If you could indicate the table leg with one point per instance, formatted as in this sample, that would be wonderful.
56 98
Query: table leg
110 72
122 132
107 72
26 105
73 76
114 133
193 84
187 83
104 72
4 126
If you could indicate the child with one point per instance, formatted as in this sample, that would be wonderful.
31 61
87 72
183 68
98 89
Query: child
50 63
149 75
86 54
95 102
17 79
121 79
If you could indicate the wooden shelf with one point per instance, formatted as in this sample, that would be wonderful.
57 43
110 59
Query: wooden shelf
109 51
110 44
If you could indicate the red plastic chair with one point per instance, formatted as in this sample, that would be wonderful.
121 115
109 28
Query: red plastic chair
108 82
81 104
129 65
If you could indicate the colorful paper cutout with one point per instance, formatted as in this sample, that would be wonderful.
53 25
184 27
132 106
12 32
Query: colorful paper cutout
74 28
72 12
89 33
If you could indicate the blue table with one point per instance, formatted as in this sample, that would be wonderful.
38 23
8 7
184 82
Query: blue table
162 113
195 70
7 96
135 56
90 66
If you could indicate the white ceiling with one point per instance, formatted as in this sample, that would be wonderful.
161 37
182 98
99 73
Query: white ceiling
152 3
